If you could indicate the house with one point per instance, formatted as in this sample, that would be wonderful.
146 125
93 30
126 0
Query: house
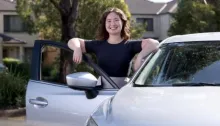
156 15
15 42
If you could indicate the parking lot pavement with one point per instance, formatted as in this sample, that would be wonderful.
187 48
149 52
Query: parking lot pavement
18 122
6 122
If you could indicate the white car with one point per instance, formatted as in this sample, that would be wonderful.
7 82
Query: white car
179 85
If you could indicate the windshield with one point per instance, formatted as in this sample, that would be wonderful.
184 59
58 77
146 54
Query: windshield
182 63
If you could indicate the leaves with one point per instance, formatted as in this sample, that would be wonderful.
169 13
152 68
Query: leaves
12 90
193 17
43 17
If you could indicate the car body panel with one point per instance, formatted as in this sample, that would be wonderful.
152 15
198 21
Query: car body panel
67 106
209 36
49 103
162 106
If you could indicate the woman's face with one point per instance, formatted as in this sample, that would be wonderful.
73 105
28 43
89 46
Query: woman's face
113 24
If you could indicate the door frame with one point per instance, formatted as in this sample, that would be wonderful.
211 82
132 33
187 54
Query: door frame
36 60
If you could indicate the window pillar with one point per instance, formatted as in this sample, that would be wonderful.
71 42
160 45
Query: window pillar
21 53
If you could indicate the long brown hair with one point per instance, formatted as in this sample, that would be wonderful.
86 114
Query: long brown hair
102 33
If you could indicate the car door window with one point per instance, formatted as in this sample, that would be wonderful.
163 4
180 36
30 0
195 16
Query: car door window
56 63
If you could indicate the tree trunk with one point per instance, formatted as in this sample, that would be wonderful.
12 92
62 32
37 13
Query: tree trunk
68 19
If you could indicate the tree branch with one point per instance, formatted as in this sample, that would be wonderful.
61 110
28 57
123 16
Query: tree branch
66 5
60 9
74 10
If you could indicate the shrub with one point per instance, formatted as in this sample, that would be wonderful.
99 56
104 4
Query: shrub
17 67
12 90
46 69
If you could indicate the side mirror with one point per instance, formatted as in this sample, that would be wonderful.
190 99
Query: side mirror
81 81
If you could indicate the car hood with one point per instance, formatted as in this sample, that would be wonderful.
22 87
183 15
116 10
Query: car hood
163 106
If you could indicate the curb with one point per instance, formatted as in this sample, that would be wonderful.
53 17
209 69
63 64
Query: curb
13 112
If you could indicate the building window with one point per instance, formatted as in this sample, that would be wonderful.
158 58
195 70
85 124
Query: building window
13 23
148 21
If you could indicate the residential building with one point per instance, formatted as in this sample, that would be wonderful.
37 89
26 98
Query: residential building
158 16
15 42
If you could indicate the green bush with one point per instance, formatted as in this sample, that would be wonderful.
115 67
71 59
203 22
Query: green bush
17 67
12 90
46 69
11 62
50 73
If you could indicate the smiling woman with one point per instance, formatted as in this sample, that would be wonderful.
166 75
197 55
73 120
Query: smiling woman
112 46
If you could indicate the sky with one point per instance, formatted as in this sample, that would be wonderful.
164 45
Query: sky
160 1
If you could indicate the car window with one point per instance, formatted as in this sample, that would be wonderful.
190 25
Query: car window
56 63
190 62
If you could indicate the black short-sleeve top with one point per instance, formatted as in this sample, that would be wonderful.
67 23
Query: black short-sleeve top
114 59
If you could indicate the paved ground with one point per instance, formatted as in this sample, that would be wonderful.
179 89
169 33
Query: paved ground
20 121
14 117
12 122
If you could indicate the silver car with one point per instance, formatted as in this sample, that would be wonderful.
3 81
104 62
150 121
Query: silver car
179 85
60 92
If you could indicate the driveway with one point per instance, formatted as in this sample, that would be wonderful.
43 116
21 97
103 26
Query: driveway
19 121
7 122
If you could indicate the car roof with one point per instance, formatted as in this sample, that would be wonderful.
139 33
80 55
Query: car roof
208 36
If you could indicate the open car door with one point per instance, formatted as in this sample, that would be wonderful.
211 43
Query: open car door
52 98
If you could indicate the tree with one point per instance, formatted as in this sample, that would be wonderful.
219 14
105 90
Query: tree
194 16
57 19
50 18
216 5
45 17
90 12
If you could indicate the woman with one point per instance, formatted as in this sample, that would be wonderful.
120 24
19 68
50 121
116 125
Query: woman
112 48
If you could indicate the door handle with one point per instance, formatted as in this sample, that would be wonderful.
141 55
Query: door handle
39 102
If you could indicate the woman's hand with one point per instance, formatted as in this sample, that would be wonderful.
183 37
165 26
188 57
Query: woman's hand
77 56
78 46
148 46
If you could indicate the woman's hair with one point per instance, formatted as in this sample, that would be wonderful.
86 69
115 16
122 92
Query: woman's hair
102 33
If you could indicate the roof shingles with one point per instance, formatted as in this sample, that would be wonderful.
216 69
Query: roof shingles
10 40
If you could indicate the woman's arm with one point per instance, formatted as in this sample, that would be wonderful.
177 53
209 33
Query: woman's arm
148 46
78 45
